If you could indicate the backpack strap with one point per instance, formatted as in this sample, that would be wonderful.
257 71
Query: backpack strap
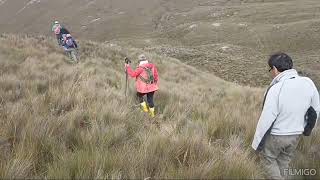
149 73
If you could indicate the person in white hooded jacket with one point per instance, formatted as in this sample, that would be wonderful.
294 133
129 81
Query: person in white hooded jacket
282 120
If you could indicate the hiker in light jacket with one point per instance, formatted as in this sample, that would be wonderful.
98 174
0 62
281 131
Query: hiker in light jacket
282 119
59 31
147 80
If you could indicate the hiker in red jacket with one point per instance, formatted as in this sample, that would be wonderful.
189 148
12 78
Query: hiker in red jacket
146 82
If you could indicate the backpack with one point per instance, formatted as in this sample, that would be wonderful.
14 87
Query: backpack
69 42
311 119
150 76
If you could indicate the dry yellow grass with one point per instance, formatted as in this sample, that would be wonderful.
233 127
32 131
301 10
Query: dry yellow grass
62 120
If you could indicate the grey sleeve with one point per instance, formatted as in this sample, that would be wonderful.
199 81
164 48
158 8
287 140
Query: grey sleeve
315 102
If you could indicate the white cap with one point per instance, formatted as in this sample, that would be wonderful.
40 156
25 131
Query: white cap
142 57
56 22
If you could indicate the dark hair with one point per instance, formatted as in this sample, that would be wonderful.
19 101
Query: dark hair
281 61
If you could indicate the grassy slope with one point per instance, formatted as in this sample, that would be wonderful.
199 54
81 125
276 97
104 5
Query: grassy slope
234 38
194 32
60 120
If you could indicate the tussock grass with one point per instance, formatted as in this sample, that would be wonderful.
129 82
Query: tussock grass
61 120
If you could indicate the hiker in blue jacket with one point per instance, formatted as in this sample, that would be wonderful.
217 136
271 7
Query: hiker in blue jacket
69 42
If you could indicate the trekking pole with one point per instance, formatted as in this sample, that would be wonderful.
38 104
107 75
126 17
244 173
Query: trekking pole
127 61
125 92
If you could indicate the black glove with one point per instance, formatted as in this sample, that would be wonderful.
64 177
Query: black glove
127 60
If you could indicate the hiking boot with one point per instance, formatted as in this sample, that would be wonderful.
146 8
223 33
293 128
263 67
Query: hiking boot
151 112
144 107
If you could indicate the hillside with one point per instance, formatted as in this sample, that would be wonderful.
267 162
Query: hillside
62 120
229 38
